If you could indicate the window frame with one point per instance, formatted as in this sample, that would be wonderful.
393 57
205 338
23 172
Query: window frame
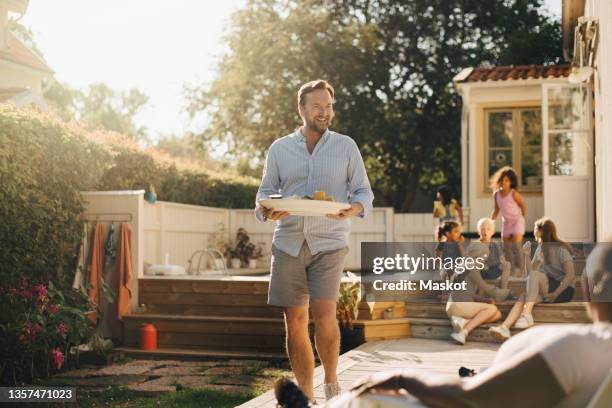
517 138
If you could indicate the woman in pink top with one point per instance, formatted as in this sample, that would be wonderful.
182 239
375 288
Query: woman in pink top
509 201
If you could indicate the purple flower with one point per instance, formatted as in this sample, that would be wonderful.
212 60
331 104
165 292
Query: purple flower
57 357
62 330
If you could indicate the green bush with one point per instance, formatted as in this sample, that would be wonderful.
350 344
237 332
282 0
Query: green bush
44 164
201 189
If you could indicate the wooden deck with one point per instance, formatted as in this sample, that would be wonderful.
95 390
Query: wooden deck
431 356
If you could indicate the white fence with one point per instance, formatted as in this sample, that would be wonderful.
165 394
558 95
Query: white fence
179 230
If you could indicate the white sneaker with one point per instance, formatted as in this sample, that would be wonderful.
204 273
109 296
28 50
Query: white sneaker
525 321
331 390
500 332
458 323
459 337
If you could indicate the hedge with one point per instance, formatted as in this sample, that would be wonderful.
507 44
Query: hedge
45 163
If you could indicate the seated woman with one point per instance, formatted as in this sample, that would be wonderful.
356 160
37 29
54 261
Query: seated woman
467 310
549 366
551 278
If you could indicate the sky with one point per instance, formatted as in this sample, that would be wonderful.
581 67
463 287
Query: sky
157 46
153 45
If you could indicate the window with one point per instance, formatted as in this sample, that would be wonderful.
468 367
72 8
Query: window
514 138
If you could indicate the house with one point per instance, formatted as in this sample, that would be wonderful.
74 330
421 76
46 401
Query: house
552 127
22 71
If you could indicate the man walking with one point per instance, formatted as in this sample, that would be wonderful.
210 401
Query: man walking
308 252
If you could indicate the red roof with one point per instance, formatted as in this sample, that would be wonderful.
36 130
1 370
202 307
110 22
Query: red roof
19 53
512 72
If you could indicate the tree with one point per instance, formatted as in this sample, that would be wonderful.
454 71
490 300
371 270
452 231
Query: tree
391 63
99 107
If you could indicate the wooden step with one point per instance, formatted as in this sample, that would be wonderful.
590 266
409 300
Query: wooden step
198 354
441 329
572 312
250 334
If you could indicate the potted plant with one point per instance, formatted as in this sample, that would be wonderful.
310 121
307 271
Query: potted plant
347 310
255 255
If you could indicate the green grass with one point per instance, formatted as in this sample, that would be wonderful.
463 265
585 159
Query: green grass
121 397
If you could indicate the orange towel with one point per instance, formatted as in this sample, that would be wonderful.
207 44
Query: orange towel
96 270
123 269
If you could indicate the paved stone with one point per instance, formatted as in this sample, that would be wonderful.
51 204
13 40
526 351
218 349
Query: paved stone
244 363
188 363
195 382
140 363
177 371
118 369
154 387
224 371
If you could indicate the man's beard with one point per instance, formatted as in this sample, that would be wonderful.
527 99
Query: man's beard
318 126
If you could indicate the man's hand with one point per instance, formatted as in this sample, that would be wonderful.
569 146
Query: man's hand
356 209
270 214
390 380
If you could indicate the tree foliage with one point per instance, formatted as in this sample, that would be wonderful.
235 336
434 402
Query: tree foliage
99 107
392 64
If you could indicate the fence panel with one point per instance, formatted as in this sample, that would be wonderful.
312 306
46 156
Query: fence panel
179 230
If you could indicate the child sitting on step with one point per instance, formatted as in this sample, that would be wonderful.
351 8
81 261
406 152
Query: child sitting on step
451 246
496 265
465 308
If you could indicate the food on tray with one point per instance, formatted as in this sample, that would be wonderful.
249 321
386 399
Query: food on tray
321 196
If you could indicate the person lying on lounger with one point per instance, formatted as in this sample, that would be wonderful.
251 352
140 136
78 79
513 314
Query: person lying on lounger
550 366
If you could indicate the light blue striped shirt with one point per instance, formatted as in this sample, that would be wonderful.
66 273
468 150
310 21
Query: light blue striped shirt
336 167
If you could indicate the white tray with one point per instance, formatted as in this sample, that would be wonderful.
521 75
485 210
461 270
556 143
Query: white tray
303 207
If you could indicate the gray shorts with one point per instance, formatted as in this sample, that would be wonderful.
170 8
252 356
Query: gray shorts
295 280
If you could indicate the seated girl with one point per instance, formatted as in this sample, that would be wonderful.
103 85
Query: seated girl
551 278
467 310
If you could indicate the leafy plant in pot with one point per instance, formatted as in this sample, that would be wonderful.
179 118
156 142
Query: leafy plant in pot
244 250
347 310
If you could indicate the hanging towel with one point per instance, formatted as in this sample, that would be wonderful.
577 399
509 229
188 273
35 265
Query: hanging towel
124 269
96 270
79 275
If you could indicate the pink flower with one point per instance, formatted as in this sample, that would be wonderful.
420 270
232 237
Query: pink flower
26 294
36 329
39 290
57 357
62 330
53 309
13 291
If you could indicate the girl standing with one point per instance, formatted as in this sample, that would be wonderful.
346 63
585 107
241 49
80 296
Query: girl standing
510 203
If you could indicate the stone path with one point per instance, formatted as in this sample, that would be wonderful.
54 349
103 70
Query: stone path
153 377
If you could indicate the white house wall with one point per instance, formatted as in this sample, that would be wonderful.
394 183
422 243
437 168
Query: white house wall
487 95
602 9
17 76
